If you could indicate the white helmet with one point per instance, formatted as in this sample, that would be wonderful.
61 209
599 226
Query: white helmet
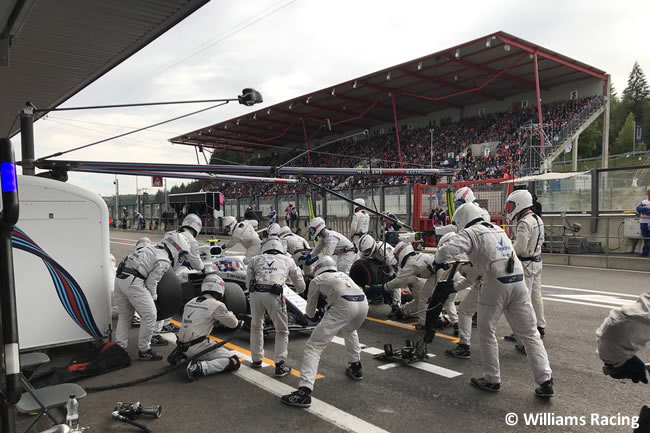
445 238
360 201
142 242
466 214
194 222
367 245
254 223
274 229
178 246
402 249
518 201
315 227
285 230
324 263
273 245
463 195
229 224
213 283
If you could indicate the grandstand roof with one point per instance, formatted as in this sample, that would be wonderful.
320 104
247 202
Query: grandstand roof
50 50
489 68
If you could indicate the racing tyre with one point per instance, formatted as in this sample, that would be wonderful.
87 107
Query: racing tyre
170 295
235 299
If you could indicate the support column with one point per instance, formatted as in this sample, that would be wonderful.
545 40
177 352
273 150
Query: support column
539 105
607 97
574 153
595 184
27 139
304 133
243 149
399 147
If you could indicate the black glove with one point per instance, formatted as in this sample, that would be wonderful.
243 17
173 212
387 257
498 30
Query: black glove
634 368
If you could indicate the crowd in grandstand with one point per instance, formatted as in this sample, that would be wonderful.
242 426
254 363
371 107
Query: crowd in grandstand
449 140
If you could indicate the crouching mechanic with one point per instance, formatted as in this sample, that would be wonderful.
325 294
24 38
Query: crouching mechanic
384 253
136 286
503 291
242 233
411 265
623 334
200 315
330 243
527 243
346 311
267 273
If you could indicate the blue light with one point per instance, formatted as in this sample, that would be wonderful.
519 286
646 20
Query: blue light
8 177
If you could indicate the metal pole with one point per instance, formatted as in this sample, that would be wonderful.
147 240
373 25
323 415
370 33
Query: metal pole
607 96
10 395
137 196
539 104
431 130
117 199
27 139
399 148
594 200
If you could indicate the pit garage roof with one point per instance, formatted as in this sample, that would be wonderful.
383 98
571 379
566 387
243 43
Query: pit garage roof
489 68
58 47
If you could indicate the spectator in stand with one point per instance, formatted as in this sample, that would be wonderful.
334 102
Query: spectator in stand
644 212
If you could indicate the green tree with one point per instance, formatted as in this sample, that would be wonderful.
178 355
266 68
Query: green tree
591 140
637 91
227 157
625 138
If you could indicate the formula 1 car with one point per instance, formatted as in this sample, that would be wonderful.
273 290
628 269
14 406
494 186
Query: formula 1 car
232 270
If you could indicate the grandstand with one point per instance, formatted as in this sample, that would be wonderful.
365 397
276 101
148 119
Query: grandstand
471 107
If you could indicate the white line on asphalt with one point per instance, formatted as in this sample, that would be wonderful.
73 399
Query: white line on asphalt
387 366
323 410
590 291
125 239
598 269
372 350
609 307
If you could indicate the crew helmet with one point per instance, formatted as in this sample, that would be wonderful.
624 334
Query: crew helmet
178 246
518 201
274 229
445 238
142 242
367 245
316 226
324 263
467 214
213 283
194 222
360 201
402 249
284 231
229 224
463 195
273 245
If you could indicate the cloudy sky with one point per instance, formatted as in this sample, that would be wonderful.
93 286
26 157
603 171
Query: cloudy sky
287 48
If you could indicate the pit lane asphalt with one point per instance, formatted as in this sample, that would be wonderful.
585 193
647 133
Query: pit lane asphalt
399 399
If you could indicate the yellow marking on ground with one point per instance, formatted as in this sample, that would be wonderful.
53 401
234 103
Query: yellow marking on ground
411 328
247 352
412 323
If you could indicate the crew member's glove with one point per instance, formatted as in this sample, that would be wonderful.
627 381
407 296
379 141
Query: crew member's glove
240 324
305 257
187 265
634 368
203 270
311 260
435 267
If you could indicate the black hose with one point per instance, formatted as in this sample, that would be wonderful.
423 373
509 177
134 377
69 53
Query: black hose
165 370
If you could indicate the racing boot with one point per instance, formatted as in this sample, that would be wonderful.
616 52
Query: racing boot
193 370
149 355
461 352
299 398
483 384
256 364
158 340
545 390
354 371
282 369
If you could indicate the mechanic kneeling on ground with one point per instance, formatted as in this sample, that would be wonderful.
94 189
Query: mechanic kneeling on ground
200 315
267 273
346 311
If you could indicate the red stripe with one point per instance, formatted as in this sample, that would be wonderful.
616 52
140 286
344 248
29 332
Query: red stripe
73 302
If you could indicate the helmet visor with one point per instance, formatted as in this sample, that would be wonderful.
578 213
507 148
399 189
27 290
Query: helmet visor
510 207
459 202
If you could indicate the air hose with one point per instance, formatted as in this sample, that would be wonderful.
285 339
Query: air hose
166 370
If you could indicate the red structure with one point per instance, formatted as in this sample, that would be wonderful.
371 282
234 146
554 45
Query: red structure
489 68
